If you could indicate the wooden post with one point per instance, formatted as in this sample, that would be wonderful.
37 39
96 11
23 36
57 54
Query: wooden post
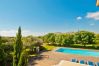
97 2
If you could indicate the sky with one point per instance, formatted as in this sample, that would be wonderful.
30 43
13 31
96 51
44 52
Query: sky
38 17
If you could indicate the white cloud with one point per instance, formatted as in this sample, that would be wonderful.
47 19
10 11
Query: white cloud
93 15
24 33
7 32
79 18
39 33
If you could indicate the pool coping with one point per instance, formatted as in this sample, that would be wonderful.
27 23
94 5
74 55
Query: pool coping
54 50
75 48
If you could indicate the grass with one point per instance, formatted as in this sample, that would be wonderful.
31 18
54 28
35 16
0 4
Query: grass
27 49
47 47
32 55
88 46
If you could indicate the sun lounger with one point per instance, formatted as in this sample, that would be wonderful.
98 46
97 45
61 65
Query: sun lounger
82 62
74 60
90 63
97 63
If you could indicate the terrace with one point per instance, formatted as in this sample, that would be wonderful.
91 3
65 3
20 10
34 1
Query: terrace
50 58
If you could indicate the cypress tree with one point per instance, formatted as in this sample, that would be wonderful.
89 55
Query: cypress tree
17 48
23 59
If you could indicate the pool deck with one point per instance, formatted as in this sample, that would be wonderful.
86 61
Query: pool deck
68 63
50 58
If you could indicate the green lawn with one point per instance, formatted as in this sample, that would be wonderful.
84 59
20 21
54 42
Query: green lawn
47 47
88 46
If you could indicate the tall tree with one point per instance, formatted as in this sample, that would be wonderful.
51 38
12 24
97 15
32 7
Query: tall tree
17 48
84 37
58 39
23 59
97 38
49 38
67 39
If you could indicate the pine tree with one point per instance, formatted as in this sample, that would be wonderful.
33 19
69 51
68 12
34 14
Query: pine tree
17 48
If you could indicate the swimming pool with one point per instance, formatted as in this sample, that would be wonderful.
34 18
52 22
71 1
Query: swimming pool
78 52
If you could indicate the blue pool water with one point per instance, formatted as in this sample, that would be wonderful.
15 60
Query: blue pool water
78 52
